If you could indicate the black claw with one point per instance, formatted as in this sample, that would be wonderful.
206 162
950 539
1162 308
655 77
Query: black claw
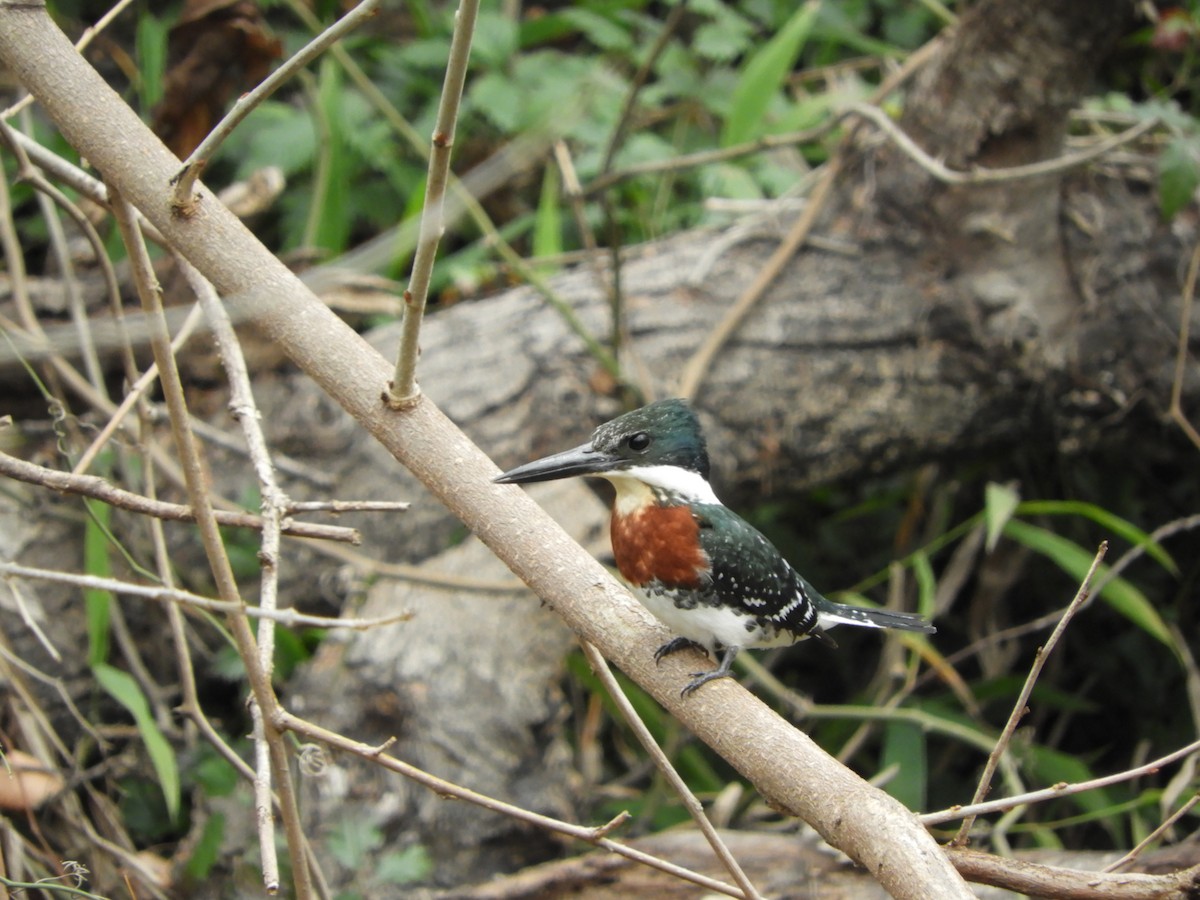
675 645
702 678
721 671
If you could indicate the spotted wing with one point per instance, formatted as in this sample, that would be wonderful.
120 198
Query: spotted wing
749 574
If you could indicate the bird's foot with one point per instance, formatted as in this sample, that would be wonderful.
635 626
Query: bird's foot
675 645
702 678
721 671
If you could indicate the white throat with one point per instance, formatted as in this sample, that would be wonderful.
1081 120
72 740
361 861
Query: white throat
635 486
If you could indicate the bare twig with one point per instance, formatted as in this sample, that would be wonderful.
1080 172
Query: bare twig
595 835
403 389
345 506
881 120
1020 708
288 617
210 536
245 411
646 739
49 197
185 181
1038 880
519 156
941 172
1057 790
1166 825
706 157
99 489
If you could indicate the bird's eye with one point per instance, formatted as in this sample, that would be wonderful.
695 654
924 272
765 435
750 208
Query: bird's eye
639 442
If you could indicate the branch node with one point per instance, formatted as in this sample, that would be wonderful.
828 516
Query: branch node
400 404
376 752
609 827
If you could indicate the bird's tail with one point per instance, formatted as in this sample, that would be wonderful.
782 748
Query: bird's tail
830 614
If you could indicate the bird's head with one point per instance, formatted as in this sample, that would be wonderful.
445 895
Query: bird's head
647 443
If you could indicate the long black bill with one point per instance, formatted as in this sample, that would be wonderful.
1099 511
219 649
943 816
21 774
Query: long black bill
583 460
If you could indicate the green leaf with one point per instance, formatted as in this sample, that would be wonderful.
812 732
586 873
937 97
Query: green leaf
999 503
547 228
904 746
329 217
214 774
1178 175
764 75
207 850
404 866
352 839
275 134
1120 594
495 38
926 584
122 688
493 96
1110 522
730 180
95 562
601 31
151 42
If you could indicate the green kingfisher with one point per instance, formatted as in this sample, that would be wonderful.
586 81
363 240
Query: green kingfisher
701 569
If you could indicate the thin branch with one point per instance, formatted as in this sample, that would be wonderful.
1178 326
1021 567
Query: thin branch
403 390
1020 708
884 123
50 197
706 157
17 686
646 739
598 836
245 411
1069 884
100 489
345 506
288 617
214 549
1058 790
638 81
517 157
184 198
1166 825
941 172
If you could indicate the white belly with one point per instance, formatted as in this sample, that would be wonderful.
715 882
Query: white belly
711 625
